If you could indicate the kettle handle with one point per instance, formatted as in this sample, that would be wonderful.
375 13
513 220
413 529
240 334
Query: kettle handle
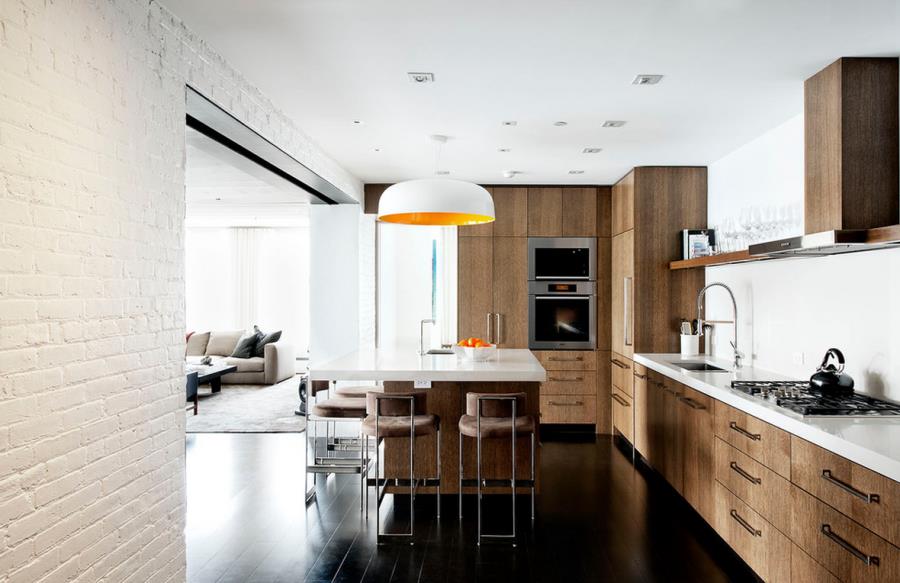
838 355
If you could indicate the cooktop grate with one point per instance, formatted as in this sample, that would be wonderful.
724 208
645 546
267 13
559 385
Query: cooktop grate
801 398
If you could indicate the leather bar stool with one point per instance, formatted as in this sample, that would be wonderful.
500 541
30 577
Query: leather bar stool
400 415
357 392
495 416
331 411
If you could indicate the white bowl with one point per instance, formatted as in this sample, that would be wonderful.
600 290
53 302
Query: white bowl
477 354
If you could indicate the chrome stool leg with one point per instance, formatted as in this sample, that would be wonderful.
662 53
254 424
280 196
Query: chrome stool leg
532 475
438 463
460 473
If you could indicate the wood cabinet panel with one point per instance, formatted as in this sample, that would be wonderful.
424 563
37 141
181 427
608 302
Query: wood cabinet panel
579 212
849 551
511 210
656 421
566 359
475 296
805 570
766 492
510 291
604 211
568 408
865 496
642 411
672 437
761 545
623 414
622 294
623 204
763 442
697 441
622 374
604 300
569 382
545 212
604 392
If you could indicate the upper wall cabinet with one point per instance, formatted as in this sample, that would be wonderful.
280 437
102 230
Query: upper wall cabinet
562 211
623 205
510 204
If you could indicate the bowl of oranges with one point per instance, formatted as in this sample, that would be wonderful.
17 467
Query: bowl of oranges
475 349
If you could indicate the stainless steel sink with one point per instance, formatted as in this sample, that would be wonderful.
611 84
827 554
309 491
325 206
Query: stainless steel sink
698 366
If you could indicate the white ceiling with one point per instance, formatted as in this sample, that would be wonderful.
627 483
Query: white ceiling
733 69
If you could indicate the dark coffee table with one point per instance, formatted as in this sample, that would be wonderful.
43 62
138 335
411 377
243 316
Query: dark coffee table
206 374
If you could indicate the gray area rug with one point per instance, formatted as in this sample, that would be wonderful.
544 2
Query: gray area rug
248 409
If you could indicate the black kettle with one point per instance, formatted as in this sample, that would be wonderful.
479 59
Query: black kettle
830 378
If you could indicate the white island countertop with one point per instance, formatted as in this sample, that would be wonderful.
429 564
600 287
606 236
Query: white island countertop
404 364
872 442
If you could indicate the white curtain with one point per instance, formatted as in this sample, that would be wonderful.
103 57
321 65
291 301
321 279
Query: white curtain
238 276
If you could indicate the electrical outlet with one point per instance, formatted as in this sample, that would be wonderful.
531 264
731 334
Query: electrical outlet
798 358
421 384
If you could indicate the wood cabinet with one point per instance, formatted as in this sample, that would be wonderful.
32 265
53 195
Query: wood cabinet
623 205
641 389
623 414
569 395
545 212
511 210
563 409
492 295
569 211
758 439
671 437
622 375
697 442
557 360
579 212
622 294
805 570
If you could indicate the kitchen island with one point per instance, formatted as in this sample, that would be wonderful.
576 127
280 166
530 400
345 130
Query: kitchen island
447 379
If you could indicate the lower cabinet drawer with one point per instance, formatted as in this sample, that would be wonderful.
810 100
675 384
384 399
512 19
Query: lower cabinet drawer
623 414
567 359
805 570
763 442
761 545
762 489
622 374
570 382
849 551
568 409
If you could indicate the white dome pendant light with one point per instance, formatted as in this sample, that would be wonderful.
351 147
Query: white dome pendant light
436 201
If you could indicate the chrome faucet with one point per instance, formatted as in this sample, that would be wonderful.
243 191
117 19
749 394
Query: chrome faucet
734 343
422 334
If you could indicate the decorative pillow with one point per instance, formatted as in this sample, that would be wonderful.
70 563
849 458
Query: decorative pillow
196 344
246 346
264 339
223 343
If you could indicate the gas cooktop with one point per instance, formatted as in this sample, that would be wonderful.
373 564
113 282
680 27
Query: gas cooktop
801 398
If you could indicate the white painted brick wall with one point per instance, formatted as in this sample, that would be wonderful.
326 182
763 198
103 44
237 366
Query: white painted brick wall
91 281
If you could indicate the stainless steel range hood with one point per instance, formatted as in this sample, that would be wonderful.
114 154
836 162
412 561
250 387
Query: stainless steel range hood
821 244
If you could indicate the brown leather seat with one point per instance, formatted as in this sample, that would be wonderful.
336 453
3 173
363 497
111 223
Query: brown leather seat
389 426
496 416
357 392
340 407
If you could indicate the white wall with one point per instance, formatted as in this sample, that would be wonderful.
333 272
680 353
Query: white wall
796 309
92 109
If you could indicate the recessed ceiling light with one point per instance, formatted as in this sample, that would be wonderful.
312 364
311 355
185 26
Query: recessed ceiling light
504 150
442 172
613 123
647 79
510 123
218 198
576 171
591 150
421 77
560 124
358 122
377 149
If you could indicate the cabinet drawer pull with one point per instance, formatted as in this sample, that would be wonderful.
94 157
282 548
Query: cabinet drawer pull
744 432
691 403
743 473
670 391
620 364
744 523
867 498
556 359
640 376
561 380
620 400
560 404
867 559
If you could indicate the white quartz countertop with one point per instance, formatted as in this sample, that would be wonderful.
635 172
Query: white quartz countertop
871 442
404 364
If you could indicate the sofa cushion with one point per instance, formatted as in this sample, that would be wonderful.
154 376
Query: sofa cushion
223 343
246 346
253 364
196 344
264 339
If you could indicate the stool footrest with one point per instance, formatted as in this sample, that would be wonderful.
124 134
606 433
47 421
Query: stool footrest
520 483
404 482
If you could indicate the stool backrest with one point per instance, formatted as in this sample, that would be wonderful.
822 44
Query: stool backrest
396 404
493 407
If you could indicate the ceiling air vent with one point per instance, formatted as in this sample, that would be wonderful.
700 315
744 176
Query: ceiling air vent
613 123
421 77
647 79
592 150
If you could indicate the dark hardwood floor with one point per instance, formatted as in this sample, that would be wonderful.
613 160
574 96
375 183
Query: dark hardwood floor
598 519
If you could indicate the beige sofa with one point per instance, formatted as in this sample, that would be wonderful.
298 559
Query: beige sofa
276 364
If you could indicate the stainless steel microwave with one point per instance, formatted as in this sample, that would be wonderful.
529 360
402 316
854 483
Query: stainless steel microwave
562 258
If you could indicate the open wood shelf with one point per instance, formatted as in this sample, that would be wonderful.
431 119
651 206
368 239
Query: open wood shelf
720 259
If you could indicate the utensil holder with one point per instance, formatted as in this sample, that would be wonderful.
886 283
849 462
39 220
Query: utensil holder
690 344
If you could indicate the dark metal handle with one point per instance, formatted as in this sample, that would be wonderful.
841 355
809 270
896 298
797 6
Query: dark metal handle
691 403
670 391
489 331
744 432
576 359
575 404
867 559
640 376
743 473
620 364
559 380
499 317
867 498
620 400
745 524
